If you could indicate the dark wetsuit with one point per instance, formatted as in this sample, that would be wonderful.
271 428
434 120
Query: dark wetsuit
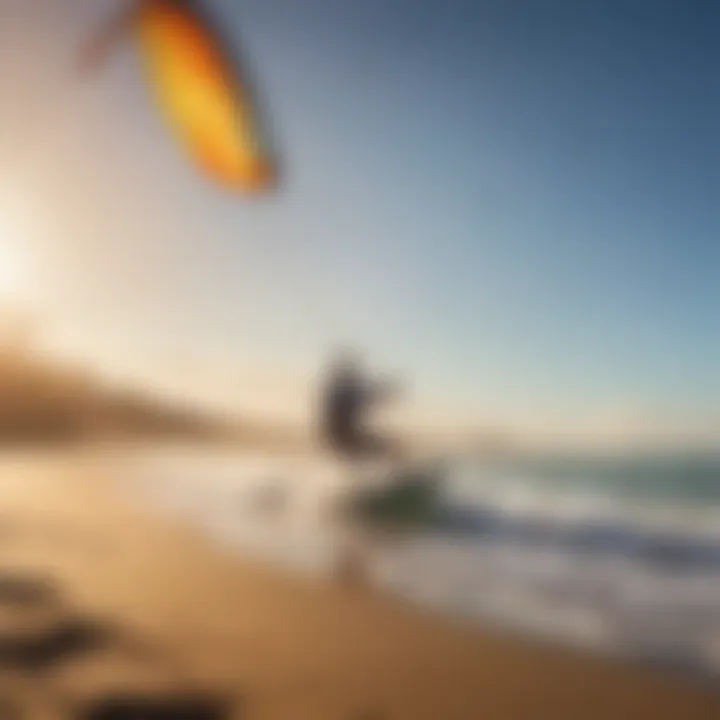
346 400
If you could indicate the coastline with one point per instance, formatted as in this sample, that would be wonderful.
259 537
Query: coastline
285 647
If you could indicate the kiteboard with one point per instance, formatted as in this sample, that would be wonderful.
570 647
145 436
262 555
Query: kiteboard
408 497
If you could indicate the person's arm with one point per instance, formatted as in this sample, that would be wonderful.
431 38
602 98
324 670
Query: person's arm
385 389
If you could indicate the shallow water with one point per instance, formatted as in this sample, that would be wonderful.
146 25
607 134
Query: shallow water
623 567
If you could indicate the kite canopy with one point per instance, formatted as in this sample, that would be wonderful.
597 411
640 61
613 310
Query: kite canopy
205 100
205 97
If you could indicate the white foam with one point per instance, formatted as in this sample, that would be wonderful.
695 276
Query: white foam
603 599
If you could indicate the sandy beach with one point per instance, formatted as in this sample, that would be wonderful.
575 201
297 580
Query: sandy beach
101 599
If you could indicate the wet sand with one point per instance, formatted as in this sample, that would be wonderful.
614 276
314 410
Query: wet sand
101 600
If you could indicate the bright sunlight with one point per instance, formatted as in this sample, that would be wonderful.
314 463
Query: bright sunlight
14 260
12 274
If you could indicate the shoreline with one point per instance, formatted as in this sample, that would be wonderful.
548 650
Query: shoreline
289 647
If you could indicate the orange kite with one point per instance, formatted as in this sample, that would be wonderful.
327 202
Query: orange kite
205 98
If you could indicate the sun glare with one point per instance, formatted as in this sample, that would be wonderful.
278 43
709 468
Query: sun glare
14 269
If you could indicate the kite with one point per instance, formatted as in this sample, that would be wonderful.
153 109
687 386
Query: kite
205 97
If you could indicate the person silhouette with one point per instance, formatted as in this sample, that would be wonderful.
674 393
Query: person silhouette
348 396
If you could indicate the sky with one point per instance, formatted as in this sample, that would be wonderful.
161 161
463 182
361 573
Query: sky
512 204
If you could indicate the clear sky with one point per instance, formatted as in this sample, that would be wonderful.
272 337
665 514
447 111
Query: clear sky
515 203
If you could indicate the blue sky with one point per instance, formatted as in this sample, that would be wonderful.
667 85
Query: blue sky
513 202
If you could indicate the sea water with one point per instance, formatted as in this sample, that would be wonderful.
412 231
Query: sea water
619 554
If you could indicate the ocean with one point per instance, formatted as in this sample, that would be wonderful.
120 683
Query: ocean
616 554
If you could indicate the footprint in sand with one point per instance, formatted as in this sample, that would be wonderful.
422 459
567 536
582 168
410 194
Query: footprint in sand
39 648
173 707
39 633
37 630
26 589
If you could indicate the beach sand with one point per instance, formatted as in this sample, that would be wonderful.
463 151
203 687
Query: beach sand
99 597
